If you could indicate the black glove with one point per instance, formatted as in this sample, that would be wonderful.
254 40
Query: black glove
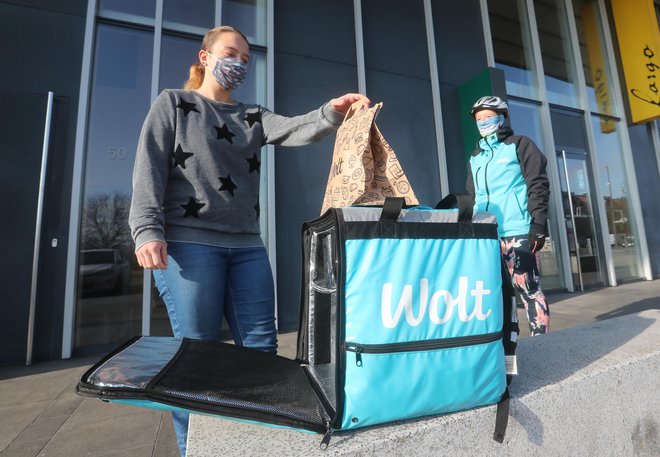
536 237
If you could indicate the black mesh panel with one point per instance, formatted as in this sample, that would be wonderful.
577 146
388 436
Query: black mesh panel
242 383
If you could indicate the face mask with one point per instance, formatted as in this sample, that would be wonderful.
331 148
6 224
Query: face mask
490 125
229 72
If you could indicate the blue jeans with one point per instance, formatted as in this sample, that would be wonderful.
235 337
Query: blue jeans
203 284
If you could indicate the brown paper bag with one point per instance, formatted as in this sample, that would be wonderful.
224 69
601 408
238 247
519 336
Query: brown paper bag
364 168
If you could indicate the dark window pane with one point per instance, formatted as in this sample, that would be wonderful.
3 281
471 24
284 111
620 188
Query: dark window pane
109 305
177 54
512 46
141 11
198 13
558 62
248 16
616 193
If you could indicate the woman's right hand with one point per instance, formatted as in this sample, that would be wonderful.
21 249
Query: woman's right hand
152 255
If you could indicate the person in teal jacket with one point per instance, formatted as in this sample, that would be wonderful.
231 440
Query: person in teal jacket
507 177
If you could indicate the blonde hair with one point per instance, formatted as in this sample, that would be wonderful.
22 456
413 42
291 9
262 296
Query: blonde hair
196 76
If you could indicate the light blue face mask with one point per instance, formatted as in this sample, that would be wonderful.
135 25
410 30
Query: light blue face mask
490 125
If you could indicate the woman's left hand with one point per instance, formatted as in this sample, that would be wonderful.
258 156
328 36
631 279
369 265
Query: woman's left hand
343 103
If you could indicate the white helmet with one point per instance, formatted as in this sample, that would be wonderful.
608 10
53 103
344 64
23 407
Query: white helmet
491 102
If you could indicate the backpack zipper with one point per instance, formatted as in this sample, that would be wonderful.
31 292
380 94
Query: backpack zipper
424 345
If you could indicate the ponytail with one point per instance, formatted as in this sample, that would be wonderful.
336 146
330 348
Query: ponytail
197 70
196 77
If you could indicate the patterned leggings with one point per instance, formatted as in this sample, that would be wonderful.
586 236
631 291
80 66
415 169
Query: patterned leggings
524 272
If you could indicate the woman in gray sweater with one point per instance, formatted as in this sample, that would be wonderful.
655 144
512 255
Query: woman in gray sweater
195 206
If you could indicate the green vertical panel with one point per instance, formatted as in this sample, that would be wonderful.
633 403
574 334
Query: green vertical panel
488 82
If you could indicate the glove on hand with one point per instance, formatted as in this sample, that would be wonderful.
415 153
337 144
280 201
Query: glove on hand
536 237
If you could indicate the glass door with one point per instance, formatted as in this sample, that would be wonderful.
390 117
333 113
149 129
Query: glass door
579 218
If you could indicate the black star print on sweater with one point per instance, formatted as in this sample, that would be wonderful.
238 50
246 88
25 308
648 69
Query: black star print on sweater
255 165
223 132
251 118
180 157
192 208
227 184
187 107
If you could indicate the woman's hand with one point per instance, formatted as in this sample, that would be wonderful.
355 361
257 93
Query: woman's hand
343 103
152 255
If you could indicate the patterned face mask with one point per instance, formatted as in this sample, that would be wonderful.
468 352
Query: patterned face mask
490 125
229 72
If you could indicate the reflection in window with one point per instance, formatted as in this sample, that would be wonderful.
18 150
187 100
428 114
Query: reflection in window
129 10
177 54
191 16
579 218
248 16
558 61
594 60
526 120
512 46
616 193
110 283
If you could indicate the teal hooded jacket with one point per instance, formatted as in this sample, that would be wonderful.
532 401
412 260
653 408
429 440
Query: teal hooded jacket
507 177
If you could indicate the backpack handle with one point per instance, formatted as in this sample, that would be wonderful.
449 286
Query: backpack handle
462 201
392 208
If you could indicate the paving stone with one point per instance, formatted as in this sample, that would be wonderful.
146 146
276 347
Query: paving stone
43 428
24 449
123 435
166 442
14 419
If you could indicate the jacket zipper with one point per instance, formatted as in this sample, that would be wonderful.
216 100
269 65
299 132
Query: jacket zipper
492 155
477 177
425 345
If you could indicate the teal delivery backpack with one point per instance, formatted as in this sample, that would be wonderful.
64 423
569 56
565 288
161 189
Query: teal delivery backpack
404 304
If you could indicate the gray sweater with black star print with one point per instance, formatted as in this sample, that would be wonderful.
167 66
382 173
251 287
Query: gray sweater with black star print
196 173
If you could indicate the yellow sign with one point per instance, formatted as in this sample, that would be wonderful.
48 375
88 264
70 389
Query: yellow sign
639 46
599 75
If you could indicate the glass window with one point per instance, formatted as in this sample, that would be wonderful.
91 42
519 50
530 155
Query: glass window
248 16
615 191
526 120
177 54
583 234
600 92
109 306
129 10
556 53
512 46
194 17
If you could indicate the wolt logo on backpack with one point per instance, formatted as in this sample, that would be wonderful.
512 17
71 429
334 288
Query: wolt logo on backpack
451 303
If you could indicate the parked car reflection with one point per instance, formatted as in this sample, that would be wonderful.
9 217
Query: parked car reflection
104 270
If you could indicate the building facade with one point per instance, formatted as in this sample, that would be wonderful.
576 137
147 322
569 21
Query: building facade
80 77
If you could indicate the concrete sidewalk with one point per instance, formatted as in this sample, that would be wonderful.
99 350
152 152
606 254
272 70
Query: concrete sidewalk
40 415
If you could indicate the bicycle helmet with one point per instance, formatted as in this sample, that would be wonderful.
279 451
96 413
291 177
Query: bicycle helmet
491 102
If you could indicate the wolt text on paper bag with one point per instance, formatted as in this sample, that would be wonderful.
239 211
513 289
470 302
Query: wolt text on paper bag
364 168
